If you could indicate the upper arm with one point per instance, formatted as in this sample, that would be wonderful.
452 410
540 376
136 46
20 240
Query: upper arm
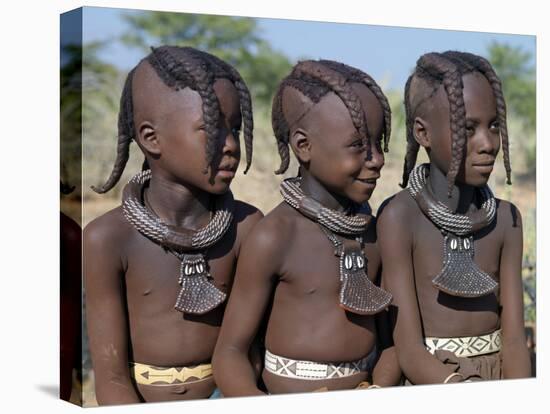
105 302
257 267
247 216
396 244
511 289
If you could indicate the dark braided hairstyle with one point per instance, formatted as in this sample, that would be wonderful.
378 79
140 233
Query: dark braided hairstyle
180 67
314 79
447 69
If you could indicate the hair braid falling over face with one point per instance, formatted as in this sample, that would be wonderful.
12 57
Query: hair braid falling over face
180 67
314 79
447 69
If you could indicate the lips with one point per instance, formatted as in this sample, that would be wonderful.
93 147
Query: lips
369 180
227 170
484 166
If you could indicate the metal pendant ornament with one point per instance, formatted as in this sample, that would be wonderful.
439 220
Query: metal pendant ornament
358 294
198 294
460 275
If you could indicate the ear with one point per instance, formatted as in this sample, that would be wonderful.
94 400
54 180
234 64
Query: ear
301 145
147 138
420 132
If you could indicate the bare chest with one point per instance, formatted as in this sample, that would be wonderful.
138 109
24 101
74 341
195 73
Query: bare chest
449 315
152 273
312 267
429 251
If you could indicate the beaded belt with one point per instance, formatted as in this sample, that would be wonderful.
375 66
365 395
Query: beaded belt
466 346
309 370
153 375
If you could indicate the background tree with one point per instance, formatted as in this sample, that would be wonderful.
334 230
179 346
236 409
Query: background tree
101 86
236 40
516 70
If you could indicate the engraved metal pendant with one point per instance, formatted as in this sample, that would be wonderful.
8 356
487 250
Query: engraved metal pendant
358 294
460 275
197 295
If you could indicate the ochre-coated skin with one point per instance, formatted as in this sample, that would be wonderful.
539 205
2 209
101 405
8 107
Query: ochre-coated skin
412 247
132 283
288 271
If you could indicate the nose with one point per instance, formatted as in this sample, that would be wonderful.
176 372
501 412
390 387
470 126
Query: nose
375 157
230 142
488 142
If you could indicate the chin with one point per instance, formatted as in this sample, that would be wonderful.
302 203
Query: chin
219 187
360 198
479 181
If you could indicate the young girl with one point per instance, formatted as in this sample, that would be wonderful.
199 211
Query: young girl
309 267
159 267
451 252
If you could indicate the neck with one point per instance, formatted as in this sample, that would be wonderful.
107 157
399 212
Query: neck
462 195
314 189
178 204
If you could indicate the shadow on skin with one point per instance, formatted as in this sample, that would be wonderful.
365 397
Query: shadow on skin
481 304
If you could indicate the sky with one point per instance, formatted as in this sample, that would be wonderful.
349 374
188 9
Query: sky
387 53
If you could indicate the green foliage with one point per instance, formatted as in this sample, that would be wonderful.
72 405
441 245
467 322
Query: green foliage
71 115
101 87
233 39
516 71
89 105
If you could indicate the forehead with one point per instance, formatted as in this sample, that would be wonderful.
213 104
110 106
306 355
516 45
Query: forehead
228 96
372 107
332 111
152 98
479 99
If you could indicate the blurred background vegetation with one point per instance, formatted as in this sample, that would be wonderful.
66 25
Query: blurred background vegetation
238 41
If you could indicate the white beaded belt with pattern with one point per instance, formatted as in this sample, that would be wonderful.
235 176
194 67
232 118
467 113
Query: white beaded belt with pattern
466 346
309 370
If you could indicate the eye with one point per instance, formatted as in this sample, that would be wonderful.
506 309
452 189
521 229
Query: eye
494 127
357 144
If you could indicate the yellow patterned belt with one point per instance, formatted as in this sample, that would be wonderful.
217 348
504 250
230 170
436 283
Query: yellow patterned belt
466 346
153 375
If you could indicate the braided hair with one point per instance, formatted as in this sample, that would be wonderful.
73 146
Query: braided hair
314 79
180 67
447 69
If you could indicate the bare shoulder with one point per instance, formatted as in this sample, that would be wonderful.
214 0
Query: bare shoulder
70 230
108 232
274 230
508 215
397 210
246 215
267 245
